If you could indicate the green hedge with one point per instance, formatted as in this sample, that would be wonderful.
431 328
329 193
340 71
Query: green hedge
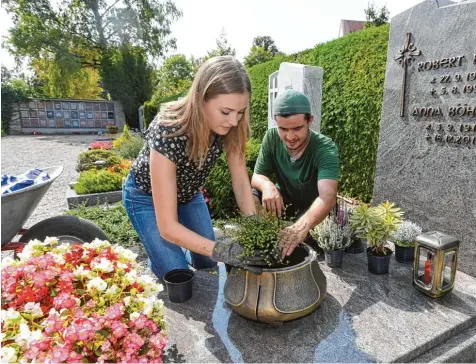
150 110
218 183
354 74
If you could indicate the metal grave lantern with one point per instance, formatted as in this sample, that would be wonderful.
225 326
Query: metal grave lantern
434 267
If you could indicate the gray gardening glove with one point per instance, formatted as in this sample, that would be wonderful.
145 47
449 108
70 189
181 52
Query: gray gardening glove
231 253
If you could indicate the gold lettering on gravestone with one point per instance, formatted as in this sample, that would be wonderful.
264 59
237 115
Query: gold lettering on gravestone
405 57
461 128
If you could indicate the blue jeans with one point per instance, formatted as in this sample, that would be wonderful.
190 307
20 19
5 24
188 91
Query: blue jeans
165 256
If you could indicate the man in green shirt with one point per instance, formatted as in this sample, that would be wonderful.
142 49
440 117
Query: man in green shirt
305 165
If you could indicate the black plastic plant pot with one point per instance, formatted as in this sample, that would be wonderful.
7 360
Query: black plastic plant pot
378 264
404 254
334 258
179 284
356 247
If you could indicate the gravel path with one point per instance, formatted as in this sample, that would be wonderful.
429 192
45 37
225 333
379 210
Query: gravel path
20 153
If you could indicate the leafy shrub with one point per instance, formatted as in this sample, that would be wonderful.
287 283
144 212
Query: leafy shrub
125 136
95 181
352 95
218 184
150 110
113 220
122 168
87 159
259 232
130 148
376 224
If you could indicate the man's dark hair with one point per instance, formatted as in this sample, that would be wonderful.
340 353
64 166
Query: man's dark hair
307 116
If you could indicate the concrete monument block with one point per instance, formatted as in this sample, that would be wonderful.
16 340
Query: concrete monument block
299 77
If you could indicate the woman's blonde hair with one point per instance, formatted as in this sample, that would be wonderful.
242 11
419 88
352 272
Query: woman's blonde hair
217 76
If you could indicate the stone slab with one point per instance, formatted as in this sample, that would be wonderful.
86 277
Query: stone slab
364 318
92 199
433 180
299 77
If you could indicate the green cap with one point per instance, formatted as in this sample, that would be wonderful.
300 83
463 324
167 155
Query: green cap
291 102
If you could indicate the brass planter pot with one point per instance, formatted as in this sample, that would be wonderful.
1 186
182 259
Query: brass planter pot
278 294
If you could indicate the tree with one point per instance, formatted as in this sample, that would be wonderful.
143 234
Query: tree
223 48
75 83
262 50
376 17
267 43
174 77
75 28
127 77
90 34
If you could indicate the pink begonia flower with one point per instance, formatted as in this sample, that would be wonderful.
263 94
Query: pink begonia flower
152 326
39 279
60 353
70 334
64 300
91 304
140 322
67 276
158 341
118 329
106 346
115 311
135 341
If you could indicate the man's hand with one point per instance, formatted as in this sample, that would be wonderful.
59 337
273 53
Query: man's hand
290 237
272 199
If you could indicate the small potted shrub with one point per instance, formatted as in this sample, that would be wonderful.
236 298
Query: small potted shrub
111 129
377 225
333 238
259 232
404 239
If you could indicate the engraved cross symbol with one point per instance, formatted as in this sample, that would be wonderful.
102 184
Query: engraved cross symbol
405 57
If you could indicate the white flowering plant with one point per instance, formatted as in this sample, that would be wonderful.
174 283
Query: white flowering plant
332 235
79 303
406 234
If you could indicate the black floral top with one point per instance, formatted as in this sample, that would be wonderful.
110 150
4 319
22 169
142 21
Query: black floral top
189 177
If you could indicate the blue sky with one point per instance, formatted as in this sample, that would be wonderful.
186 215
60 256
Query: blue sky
294 25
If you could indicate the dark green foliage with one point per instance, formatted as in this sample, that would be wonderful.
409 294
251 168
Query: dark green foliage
354 74
112 220
150 110
86 159
95 181
218 184
12 92
128 78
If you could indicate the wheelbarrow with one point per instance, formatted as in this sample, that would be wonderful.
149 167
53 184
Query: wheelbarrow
17 207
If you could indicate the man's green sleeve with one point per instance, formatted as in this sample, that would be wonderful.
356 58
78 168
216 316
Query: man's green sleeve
328 167
264 163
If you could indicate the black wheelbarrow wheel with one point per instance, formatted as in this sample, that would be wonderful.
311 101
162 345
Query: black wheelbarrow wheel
68 229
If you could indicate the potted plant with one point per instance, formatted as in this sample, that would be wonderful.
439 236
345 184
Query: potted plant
377 225
258 232
404 239
333 238
275 292
111 129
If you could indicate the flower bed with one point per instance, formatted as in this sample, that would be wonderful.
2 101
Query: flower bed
79 303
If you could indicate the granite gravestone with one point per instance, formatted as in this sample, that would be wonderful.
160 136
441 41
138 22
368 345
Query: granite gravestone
427 146
299 77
